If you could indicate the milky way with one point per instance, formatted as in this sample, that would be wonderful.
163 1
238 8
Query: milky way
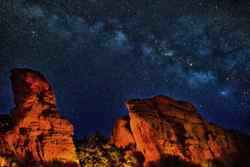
98 53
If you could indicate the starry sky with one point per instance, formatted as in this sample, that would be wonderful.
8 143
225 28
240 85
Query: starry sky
97 53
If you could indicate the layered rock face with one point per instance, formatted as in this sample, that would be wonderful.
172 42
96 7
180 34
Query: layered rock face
39 133
162 127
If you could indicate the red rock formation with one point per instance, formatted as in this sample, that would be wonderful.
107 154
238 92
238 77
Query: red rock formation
162 126
122 135
39 133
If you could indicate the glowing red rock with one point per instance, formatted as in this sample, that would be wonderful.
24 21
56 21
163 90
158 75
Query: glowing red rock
162 127
39 134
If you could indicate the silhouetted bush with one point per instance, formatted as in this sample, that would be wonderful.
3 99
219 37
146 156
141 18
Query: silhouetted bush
171 161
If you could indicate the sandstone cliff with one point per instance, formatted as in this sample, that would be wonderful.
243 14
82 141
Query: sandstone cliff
161 127
37 134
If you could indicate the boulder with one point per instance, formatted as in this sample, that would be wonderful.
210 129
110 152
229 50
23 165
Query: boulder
122 135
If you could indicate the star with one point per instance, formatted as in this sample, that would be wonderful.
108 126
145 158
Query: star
224 92
98 53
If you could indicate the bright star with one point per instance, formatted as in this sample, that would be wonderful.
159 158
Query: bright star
224 92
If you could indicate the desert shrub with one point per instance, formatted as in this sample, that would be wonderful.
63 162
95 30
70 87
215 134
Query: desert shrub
96 151
9 161
172 161
212 163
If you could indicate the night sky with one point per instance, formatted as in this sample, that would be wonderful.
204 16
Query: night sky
97 53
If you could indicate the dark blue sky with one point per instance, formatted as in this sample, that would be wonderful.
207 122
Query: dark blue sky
98 53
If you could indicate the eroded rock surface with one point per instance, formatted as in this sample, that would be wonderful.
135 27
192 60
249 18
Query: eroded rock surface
39 133
162 127
122 135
